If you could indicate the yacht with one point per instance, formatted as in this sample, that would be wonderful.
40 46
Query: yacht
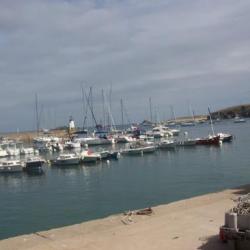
141 148
109 155
159 132
88 156
167 144
34 165
3 152
224 137
238 119
72 145
12 150
11 166
67 159
175 132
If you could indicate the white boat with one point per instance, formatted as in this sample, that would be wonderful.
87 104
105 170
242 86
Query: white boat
135 150
44 144
175 132
72 145
148 149
187 124
3 152
106 155
132 151
124 139
167 144
145 137
89 156
67 159
224 137
28 151
238 119
13 152
46 139
159 132
10 166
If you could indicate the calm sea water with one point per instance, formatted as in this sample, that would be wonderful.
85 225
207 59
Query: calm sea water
72 195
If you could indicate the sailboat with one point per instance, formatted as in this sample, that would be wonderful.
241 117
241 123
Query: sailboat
210 139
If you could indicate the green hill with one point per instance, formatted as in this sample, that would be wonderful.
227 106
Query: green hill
231 112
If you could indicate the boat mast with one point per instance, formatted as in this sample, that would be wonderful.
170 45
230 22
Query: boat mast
37 116
103 110
91 106
150 109
211 122
173 113
109 106
193 115
86 108
122 113
83 108
112 125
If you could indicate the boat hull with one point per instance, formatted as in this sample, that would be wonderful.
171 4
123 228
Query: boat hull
167 145
66 162
187 143
11 169
34 167
90 159
225 137
148 150
215 140
109 155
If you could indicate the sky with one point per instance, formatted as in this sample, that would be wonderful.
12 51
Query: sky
189 54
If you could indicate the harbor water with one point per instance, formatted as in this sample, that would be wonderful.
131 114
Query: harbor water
65 196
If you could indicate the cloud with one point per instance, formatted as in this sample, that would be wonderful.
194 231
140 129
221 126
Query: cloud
172 51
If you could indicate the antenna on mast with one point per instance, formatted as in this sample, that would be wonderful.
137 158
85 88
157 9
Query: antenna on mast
103 109
150 109
122 112
37 116
83 108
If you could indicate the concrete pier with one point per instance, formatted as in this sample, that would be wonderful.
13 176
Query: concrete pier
188 224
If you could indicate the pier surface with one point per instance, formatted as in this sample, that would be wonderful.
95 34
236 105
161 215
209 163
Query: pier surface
188 224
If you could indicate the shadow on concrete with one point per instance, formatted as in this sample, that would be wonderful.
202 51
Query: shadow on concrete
213 243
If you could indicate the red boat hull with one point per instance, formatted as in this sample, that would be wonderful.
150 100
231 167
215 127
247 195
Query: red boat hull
215 140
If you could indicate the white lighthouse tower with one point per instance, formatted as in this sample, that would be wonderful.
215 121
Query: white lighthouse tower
71 124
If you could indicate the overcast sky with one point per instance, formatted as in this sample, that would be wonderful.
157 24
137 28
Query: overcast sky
178 52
